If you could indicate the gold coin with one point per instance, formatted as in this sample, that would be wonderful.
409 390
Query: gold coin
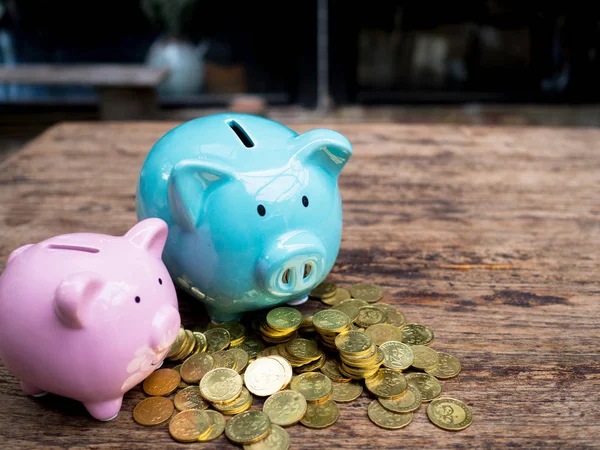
286 367
217 338
368 292
196 366
407 403
240 404
201 341
321 415
314 386
354 342
384 332
217 426
161 382
416 334
265 376
396 355
304 349
449 414
424 357
387 383
248 427
331 369
369 315
428 386
277 439
348 308
340 295
285 408
387 419
187 347
330 320
252 346
190 425
306 322
241 358
312 366
177 343
395 316
284 318
236 330
448 367
153 411
324 289
224 358
189 398
346 392
221 385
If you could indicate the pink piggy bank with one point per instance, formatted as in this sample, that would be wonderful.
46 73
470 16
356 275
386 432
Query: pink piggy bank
88 316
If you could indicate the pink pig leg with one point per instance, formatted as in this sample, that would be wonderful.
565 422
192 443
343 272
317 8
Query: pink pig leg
30 389
106 410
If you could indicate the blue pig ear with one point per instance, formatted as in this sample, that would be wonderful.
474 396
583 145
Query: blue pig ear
325 148
189 184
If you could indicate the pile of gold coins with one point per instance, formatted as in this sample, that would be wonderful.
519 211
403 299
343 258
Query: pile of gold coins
302 367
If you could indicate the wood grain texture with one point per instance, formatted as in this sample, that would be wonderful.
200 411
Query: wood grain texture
132 75
419 202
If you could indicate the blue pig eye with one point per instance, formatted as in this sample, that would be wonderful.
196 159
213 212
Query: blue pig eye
305 201
261 210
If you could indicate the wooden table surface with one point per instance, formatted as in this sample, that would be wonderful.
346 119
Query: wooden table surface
490 236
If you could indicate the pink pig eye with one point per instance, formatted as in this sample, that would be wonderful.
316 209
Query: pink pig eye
137 299
160 281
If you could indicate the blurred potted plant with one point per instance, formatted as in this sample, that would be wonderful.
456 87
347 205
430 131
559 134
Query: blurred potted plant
173 49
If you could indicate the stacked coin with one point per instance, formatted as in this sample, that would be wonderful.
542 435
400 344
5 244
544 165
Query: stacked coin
360 358
304 355
355 343
328 324
186 343
280 325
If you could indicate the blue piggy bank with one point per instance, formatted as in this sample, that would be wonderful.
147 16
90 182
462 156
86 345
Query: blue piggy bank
253 208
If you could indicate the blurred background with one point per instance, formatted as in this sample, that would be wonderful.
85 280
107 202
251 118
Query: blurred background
478 62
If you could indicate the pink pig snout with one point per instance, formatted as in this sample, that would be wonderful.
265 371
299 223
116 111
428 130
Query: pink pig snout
165 326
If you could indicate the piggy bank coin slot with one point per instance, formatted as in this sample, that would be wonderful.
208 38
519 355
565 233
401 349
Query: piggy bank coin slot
77 248
241 134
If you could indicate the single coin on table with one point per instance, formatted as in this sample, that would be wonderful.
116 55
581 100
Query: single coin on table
196 366
339 296
161 382
396 355
369 315
277 439
153 411
427 385
264 376
346 392
190 425
409 402
395 316
387 383
387 419
217 422
324 289
189 398
314 386
321 415
284 318
248 427
368 292
221 385
217 339
449 414
285 408
424 357
417 334
448 367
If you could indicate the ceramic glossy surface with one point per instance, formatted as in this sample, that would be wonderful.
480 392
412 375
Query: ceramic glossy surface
88 316
253 208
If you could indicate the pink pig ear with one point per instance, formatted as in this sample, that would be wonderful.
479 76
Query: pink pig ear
149 234
73 297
